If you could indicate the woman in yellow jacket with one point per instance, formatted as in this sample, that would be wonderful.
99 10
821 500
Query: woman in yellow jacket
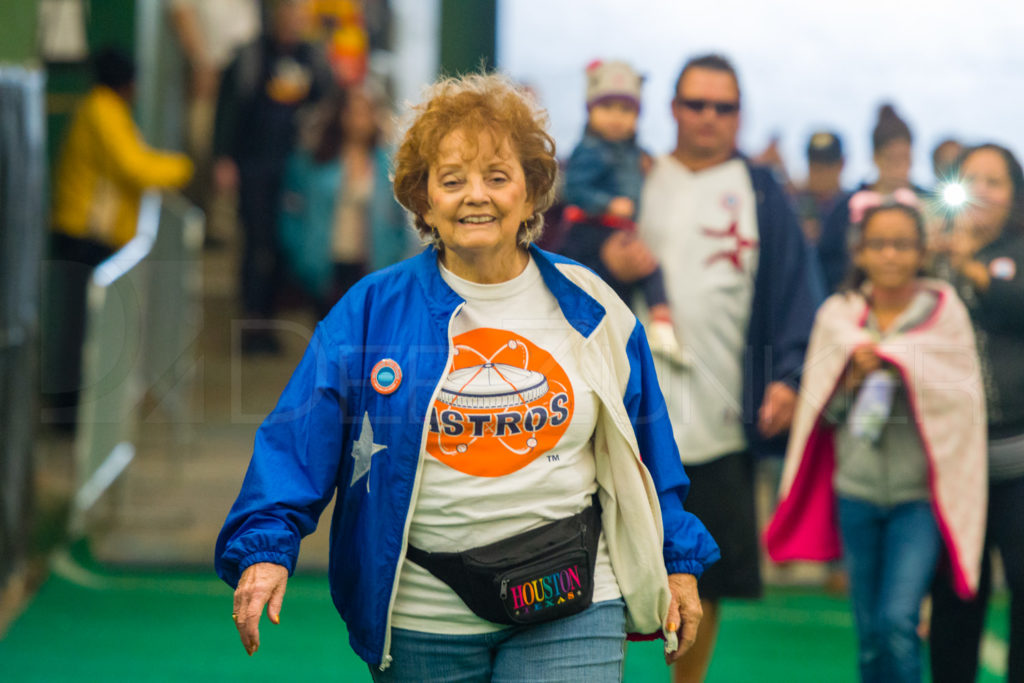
103 169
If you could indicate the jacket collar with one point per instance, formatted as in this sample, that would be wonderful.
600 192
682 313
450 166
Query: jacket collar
582 311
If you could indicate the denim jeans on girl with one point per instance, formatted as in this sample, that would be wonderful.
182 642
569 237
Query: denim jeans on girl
891 553
588 646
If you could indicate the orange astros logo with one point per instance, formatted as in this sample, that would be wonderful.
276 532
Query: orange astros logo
504 403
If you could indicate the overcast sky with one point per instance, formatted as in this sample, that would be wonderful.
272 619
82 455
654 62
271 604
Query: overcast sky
950 68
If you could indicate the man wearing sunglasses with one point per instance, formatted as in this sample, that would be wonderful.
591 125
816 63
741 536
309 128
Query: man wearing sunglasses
739 281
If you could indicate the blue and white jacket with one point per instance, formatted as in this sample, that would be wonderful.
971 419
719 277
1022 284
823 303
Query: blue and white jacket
304 450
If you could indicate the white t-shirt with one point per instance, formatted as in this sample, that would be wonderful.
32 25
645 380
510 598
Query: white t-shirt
509 446
703 227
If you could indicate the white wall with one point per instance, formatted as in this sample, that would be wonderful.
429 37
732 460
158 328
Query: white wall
417 49
951 68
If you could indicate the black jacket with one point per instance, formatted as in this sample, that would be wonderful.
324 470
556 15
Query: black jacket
260 96
998 317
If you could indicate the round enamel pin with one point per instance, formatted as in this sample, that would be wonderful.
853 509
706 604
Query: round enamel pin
386 376
1003 268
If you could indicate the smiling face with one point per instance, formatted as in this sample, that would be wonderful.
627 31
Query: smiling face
891 251
989 189
477 197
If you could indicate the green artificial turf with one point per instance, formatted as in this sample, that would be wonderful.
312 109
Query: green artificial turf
93 624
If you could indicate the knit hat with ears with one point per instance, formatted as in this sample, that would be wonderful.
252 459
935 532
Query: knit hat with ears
612 80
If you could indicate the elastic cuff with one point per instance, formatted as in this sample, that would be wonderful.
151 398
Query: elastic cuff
273 557
685 567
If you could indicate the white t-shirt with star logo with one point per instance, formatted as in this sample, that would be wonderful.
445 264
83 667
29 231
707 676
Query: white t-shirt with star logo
508 443
703 227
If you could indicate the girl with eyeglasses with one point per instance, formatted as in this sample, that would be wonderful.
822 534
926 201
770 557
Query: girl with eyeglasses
891 146
886 457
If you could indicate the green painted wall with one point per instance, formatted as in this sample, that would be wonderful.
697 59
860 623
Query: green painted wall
111 22
18 30
467 35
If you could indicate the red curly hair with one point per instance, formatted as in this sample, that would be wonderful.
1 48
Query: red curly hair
475 104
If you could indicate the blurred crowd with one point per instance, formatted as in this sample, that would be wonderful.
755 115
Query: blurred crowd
283 113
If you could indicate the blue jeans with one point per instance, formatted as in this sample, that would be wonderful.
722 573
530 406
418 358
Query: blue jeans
588 646
891 553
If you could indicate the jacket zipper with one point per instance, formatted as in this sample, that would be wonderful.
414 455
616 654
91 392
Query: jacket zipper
619 417
386 659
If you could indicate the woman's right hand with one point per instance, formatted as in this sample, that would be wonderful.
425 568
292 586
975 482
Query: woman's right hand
863 362
684 614
262 584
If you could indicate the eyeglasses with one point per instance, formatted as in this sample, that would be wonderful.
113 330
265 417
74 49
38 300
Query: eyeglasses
879 244
698 106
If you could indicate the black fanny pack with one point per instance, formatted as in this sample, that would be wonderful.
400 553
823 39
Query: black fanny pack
539 575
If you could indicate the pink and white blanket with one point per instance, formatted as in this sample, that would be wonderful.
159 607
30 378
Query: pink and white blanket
939 365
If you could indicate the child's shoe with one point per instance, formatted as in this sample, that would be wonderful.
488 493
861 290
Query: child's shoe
661 336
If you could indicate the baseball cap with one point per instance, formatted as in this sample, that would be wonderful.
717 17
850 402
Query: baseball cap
824 147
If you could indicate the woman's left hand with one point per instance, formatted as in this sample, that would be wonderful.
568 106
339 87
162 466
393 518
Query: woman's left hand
684 612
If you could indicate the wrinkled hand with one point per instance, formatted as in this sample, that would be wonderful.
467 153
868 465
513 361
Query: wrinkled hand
776 413
626 257
262 584
684 613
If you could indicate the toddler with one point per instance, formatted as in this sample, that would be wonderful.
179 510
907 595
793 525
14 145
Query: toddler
603 180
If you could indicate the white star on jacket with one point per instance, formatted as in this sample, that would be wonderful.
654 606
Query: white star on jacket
363 451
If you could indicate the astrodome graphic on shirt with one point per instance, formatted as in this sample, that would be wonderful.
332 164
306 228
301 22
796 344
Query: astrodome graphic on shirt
504 402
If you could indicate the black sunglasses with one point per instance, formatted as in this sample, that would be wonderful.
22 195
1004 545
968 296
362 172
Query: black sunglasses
698 106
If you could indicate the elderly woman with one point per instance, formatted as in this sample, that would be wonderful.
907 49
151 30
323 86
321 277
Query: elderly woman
509 496
986 254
